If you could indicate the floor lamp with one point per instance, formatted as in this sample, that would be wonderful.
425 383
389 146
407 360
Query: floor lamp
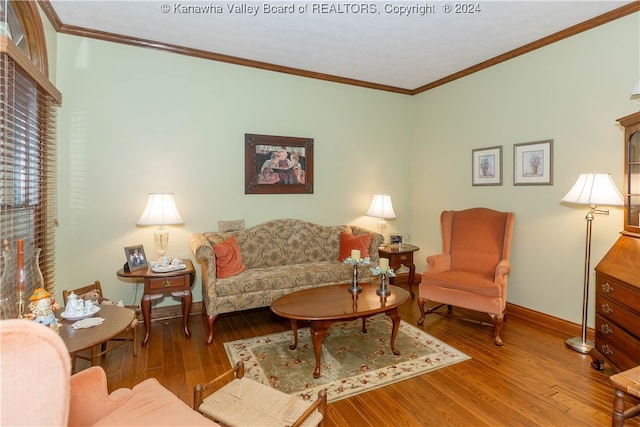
590 189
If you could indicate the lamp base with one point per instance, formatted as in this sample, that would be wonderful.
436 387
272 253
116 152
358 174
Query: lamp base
578 345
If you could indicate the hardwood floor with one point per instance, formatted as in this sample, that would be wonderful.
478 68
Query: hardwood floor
533 380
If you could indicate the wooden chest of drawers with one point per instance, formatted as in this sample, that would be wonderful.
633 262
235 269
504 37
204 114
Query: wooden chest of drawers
617 307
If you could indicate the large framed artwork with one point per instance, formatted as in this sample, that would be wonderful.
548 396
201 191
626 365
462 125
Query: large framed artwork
533 163
278 164
486 166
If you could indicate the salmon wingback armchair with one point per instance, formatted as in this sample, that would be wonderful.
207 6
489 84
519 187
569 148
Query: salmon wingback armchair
473 268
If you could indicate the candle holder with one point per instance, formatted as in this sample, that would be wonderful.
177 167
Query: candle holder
355 288
383 290
21 303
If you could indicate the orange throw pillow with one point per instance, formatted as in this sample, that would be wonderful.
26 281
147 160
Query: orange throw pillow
228 258
349 241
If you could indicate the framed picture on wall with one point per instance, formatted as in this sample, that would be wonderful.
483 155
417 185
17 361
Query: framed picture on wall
278 165
486 168
533 163
136 259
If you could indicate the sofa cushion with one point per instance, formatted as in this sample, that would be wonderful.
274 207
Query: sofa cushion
349 242
228 258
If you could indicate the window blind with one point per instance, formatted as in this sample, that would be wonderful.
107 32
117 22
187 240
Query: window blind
27 164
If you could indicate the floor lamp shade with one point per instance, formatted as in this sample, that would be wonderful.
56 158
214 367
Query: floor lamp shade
161 210
592 189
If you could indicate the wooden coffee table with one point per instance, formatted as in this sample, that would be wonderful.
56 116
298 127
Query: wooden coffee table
116 320
325 305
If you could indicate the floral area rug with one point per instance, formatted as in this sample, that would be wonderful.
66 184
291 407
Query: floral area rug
351 362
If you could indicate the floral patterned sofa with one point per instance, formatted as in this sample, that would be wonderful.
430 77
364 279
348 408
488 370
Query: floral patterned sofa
281 256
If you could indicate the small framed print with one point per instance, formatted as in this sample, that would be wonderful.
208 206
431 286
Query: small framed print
533 163
486 166
395 239
136 259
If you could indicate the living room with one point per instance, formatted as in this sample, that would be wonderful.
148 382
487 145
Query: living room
136 120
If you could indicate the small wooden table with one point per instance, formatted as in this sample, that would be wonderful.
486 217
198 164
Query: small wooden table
325 305
116 320
399 255
177 282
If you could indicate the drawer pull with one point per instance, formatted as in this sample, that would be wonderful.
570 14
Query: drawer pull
403 257
606 350
166 283
607 288
606 329
606 309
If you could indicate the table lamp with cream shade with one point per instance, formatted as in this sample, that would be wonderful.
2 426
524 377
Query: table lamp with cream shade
592 189
381 207
161 210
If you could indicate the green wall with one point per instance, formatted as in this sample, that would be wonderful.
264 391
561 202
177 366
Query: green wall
136 121
572 92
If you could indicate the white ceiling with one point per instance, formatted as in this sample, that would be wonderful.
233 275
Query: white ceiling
383 48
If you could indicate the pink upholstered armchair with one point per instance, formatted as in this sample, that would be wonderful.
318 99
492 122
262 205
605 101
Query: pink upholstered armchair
38 388
473 268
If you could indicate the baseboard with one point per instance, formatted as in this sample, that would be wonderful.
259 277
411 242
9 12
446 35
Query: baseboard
548 322
172 311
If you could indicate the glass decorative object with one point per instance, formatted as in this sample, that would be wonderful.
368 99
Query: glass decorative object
20 277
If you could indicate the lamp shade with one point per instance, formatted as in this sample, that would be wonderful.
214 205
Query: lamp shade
595 189
381 207
160 210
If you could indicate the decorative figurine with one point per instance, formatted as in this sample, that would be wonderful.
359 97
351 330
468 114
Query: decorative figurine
42 306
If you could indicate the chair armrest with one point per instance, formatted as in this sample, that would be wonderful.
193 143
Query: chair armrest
90 400
320 404
439 263
201 391
502 271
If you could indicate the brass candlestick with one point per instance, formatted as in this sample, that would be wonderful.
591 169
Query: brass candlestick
383 291
21 303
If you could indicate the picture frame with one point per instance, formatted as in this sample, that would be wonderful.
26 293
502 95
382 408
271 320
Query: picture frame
395 239
486 166
278 164
136 258
533 163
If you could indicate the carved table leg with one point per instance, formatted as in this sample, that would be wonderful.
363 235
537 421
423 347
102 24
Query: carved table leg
318 329
294 329
395 318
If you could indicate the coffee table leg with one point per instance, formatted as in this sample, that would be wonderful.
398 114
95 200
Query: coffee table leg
318 329
294 329
395 318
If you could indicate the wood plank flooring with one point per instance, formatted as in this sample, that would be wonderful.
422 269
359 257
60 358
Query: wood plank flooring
533 380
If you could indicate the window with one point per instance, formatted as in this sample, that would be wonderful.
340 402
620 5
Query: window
27 142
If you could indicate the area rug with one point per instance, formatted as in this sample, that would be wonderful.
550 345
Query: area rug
351 362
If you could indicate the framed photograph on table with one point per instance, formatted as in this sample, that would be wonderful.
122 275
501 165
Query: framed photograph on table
278 165
486 166
136 259
395 239
533 163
